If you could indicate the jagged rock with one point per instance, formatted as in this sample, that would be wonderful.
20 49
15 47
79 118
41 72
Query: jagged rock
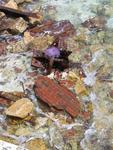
21 108
19 25
57 96
41 42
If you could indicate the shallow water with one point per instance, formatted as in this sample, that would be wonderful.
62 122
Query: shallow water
99 133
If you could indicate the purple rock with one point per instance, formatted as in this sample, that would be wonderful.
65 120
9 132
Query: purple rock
52 52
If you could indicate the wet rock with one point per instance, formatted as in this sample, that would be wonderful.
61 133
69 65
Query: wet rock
4 101
12 96
2 48
36 144
97 23
12 4
18 13
18 46
21 1
6 23
19 25
41 42
60 97
2 15
23 131
27 38
21 108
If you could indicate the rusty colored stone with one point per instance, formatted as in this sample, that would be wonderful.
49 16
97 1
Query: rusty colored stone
57 96
63 28
4 101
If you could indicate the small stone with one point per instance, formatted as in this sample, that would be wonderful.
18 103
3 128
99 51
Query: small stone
20 108
23 131
19 25
59 97
2 48
37 19
1 15
16 47
36 144
80 88
9 146
42 42
21 1
27 37
12 4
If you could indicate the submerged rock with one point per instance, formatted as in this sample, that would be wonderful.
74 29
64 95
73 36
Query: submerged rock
19 25
57 96
36 144
20 108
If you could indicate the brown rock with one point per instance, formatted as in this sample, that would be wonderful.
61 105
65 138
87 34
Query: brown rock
60 30
18 13
19 25
21 1
16 47
57 96
2 48
12 96
42 42
2 15
27 37
69 134
96 22
4 101
36 144
21 108
12 4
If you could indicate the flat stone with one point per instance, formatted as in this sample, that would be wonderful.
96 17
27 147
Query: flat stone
19 25
21 108
36 144
57 96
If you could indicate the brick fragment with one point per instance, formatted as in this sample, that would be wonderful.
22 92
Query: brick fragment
57 96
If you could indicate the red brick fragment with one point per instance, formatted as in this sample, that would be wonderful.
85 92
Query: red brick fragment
57 96
60 30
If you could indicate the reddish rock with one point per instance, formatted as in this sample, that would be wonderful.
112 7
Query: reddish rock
69 134
2 48
57 28
57 96
4 101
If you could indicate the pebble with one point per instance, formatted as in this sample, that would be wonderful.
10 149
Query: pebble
21 108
